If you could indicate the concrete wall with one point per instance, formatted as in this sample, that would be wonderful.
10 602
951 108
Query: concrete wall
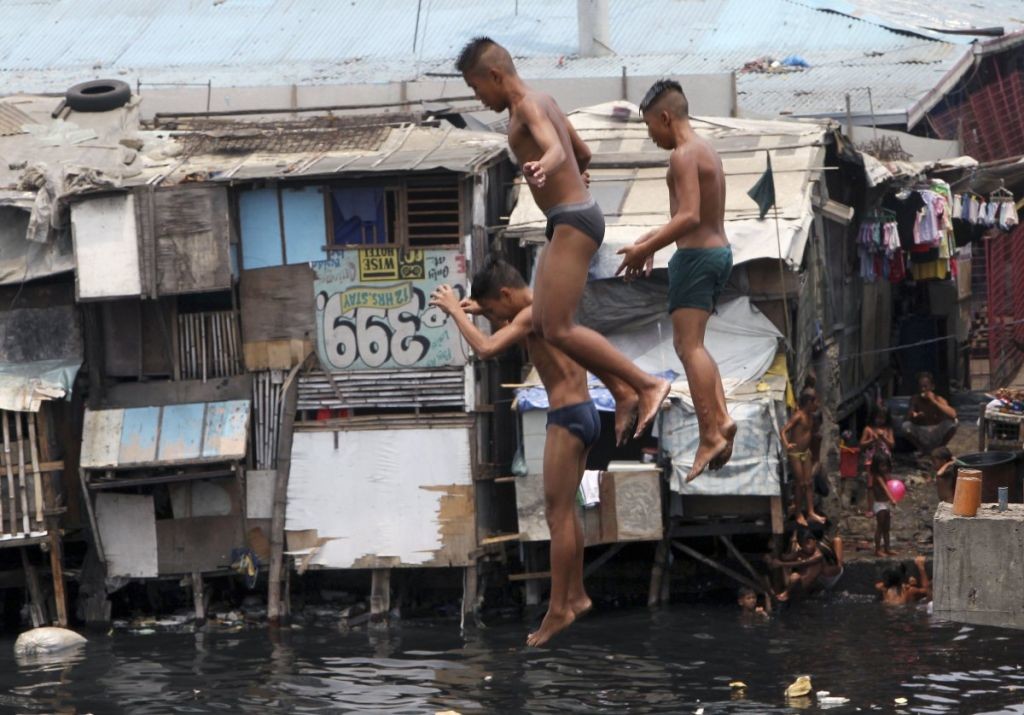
709 95
979 566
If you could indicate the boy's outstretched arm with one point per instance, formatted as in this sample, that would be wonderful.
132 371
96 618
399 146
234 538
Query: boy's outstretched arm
543 132
686 189
485 346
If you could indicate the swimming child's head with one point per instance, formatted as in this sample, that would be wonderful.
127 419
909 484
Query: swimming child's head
662 107
747 599
892 578
488 70
500 290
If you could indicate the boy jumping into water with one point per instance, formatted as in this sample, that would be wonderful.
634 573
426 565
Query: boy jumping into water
698 271
553 158
500 294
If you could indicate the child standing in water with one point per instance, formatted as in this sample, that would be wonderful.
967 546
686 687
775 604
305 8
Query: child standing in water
700 267
796 436
880 470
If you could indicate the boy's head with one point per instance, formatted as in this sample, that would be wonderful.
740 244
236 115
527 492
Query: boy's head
805 539
487 68
747 599
880 417
881 465
940 456
499 290
925 382
808 401
892 578
662 108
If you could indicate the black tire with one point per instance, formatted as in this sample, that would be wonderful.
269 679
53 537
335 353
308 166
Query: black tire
99 95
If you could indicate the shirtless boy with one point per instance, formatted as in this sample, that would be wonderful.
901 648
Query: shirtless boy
802 568
796 436
500 294
700 267
895 592
554 158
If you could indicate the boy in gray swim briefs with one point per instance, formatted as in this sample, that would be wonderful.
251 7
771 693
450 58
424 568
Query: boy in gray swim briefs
700 267
501 295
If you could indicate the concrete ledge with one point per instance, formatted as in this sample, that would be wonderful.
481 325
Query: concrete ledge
979 566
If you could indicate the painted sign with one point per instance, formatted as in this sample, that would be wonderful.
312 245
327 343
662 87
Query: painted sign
373 309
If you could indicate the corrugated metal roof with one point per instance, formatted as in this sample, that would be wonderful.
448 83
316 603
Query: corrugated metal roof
47 45
935 17
12 120
628 182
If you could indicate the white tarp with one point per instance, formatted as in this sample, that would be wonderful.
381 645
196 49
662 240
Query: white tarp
24 386
378 493
628 182
754 467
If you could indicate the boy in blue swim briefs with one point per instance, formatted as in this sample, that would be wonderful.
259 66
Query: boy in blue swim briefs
698 271
501 295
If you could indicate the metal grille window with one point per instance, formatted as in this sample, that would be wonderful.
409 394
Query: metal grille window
433 212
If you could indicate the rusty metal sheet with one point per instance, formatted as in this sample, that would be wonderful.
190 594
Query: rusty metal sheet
227 428
181 432
138 435
172 434
101 438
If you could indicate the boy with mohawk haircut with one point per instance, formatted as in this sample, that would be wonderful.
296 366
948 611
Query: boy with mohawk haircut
698 271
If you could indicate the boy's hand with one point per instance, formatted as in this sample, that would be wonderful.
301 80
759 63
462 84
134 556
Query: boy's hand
919 561
636 259
534 174
445 298
471 307
586 178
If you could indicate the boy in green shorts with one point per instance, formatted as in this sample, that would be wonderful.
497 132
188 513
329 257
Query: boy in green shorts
698 271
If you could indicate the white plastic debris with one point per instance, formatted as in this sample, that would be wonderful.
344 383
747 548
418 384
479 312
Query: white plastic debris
46 640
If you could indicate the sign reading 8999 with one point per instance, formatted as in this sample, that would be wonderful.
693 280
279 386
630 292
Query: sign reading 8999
373 309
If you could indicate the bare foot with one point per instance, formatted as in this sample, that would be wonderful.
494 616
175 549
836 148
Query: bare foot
625 415
706 453
552 624
728 431
801 520
580 606
650 403
879 553
782 597
817 518
890 553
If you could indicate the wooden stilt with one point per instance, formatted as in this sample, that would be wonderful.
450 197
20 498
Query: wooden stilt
604 558
286 606
35 593
52 518
739 578
657 574
469 592
532 586
380 595
92 518
197 596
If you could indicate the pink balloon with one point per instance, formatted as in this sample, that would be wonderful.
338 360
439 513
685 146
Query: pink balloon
897 489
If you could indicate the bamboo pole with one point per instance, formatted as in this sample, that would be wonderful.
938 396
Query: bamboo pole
12 499
37 480
22 476
202 344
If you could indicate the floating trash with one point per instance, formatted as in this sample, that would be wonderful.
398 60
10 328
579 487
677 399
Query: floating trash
800 687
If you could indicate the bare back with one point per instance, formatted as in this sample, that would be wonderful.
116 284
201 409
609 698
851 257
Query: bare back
710 232
565 184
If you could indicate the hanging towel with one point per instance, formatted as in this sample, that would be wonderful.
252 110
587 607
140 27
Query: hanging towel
590 488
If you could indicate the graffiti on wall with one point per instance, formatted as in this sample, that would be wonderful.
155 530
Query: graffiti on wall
373 309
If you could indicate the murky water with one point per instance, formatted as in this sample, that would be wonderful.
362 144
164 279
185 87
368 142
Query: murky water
676 660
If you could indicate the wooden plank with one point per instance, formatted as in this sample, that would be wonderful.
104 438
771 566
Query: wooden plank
531 576
503 538
197 596
192 232
201 543
101 438
157 479
277 305
35 593
106 247
52 520
226 431
739 578
22 474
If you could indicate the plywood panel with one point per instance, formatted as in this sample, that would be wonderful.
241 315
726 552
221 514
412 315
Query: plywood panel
181 432
127 525
384 497
201 543
277 304
101 438
106 247
192 239
259 488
